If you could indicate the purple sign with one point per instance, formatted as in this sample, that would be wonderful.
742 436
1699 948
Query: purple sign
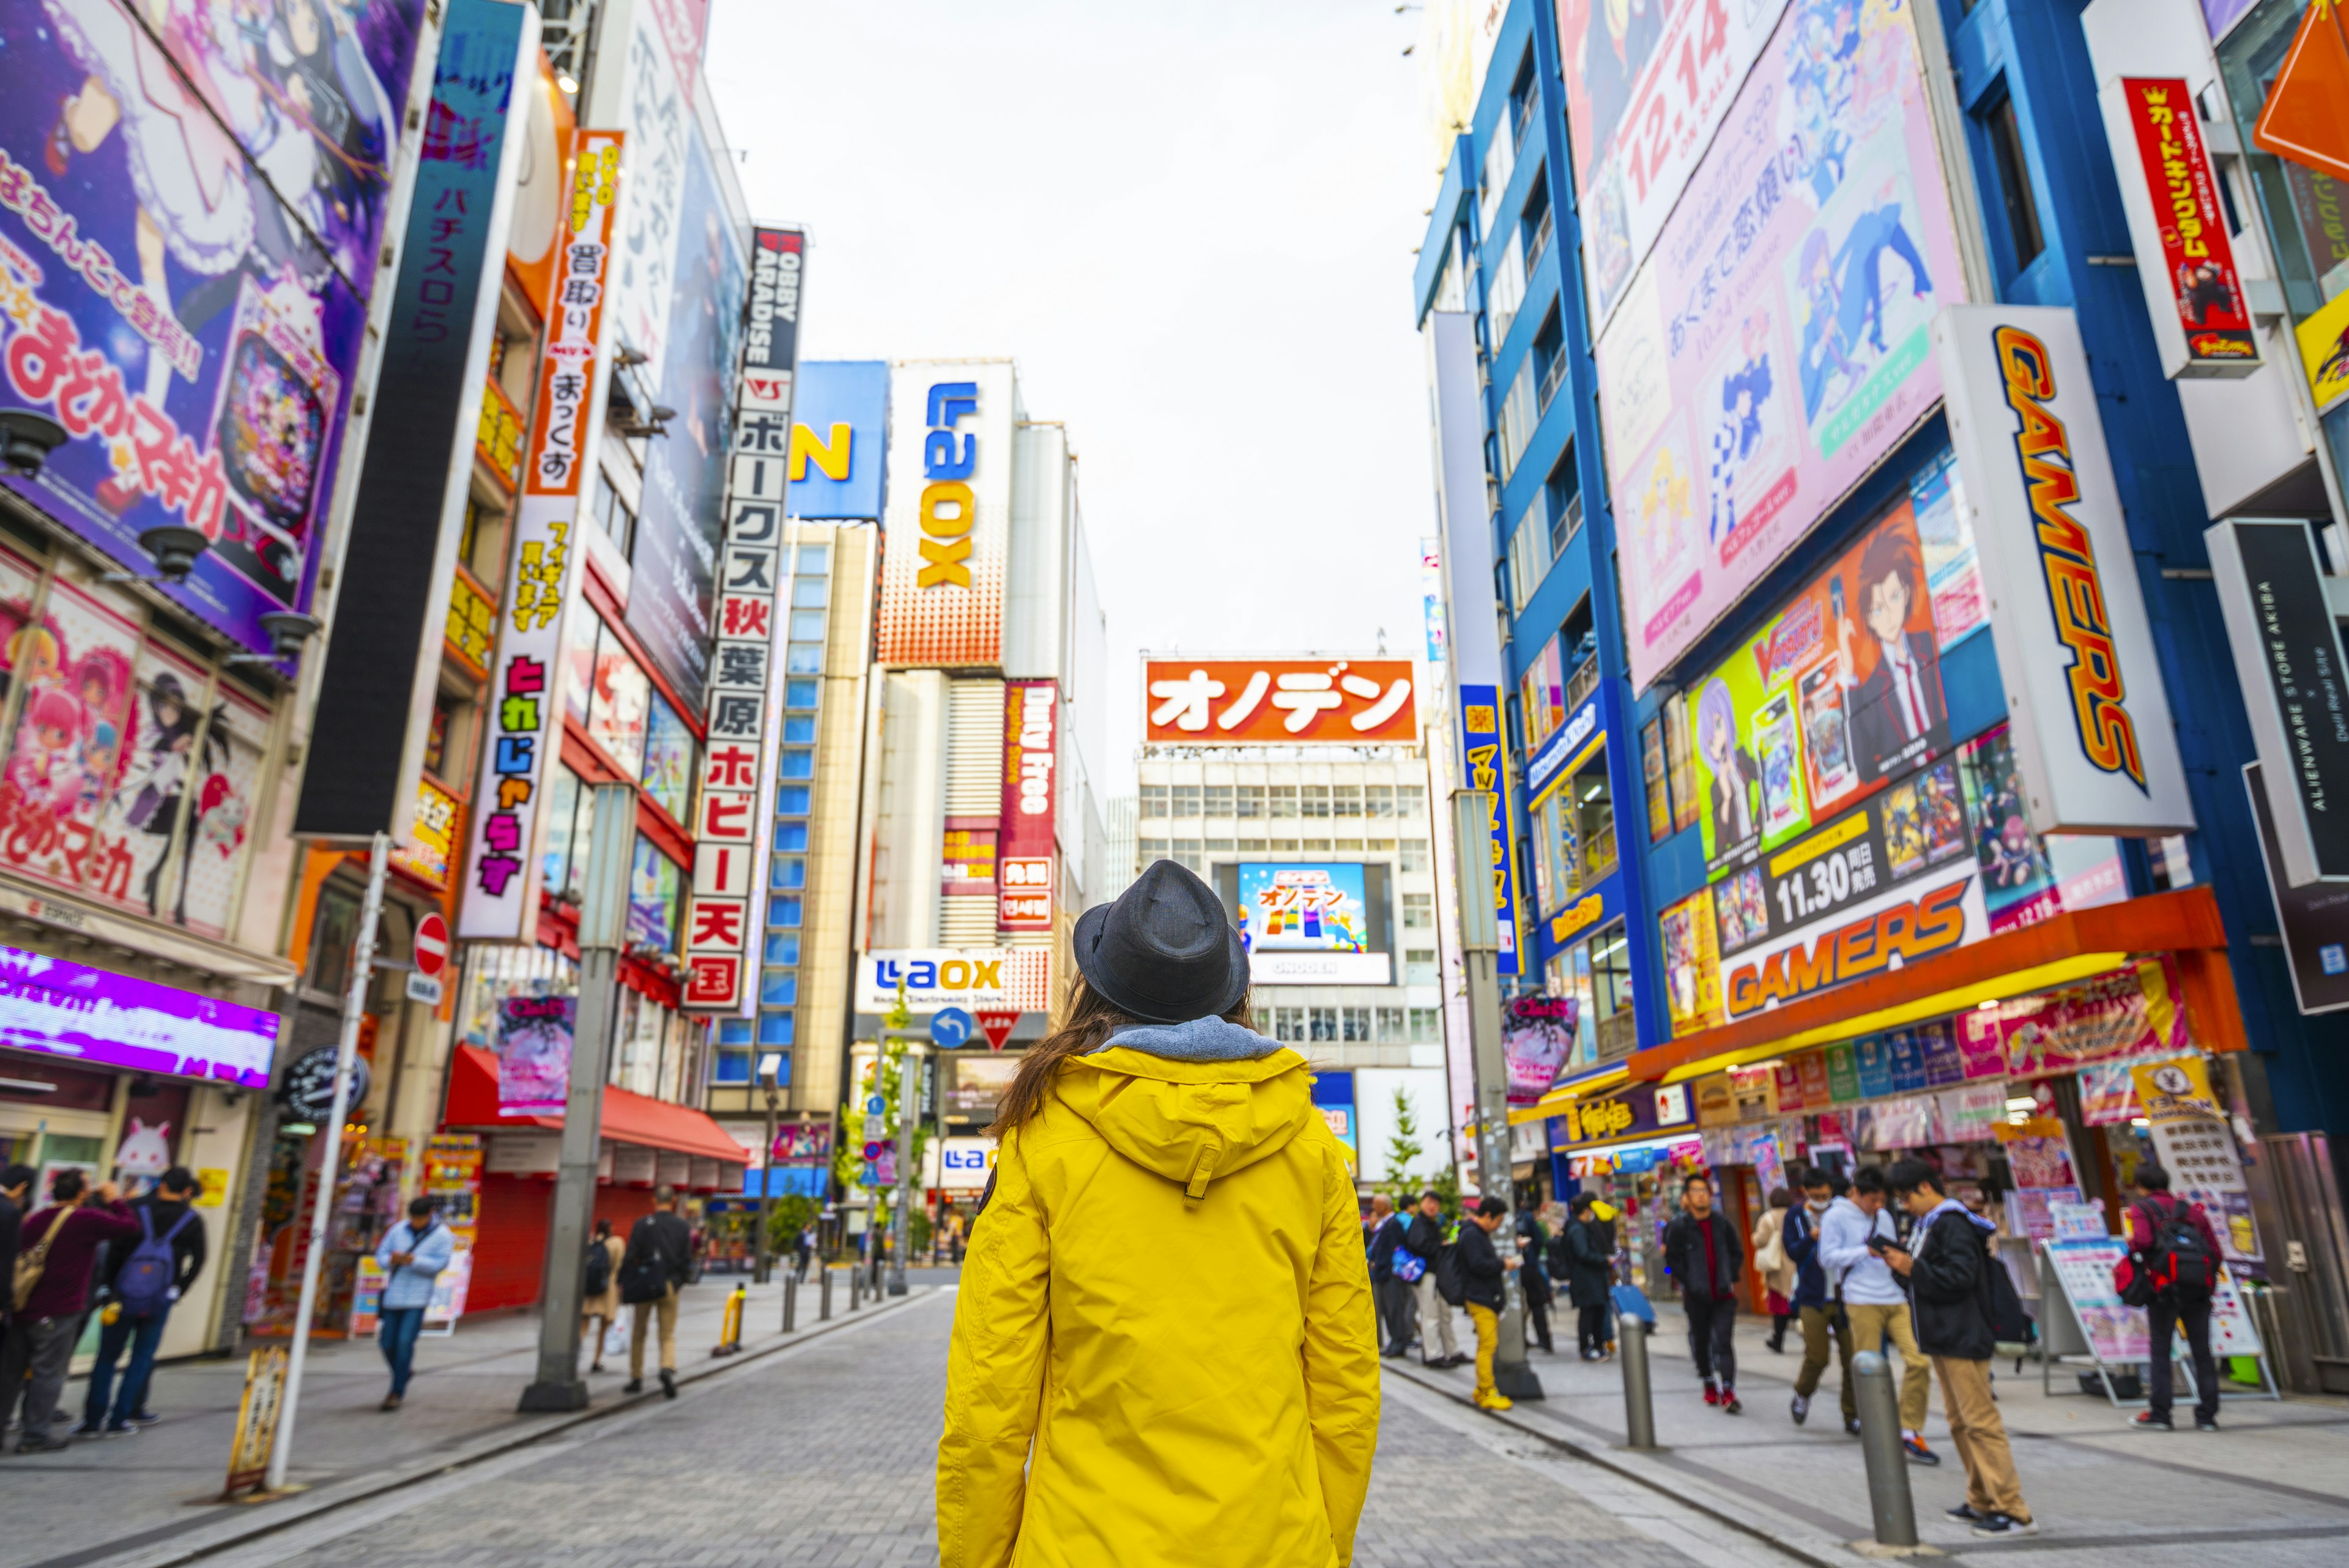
63 1009
533 1043
190 209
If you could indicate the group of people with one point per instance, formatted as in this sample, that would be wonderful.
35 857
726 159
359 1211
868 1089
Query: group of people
88 1251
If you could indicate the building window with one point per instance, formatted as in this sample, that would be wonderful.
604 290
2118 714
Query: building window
791 800
783 912
810 592
1187 800
1610 989
807 625
1517 416
1419 912
731 1066
1419 965
1654 772
1425 1026
779 987
1680 764
1218 800
1378 800
797 764
1390 1023
775 1028
783 948
2023 232
1355 1024
1345 800
1154 801
1313 800
1249 801
814 559
1150 851
799 728
791 837
1414 856
787 871
798 693
804 659
1284 800
1289 1023
1192 853
1324 1023
1411 800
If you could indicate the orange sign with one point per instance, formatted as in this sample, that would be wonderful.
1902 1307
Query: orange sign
2307 115
1278 702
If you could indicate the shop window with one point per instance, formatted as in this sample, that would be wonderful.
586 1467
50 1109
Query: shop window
1414 856
1323 1022
1610 989
1390 1023
787 871
798 693
783 948
2023 237
791 837
1419 912
1248 802
1218 800
797 764
1593 807
1419 965
1655 776
799 728
791 800
1154 803
1186 801
1313 800
1284 800
783 912
1426 1026
775 1028
731 1066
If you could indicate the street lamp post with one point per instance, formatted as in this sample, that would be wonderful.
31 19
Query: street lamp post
909 1111
770 1067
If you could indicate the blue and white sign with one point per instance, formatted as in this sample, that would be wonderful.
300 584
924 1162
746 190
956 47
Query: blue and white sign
874 1105
839 429
951 1028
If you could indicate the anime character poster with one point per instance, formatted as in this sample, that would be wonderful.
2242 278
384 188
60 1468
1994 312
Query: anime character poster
1775 343
192 203
534 1047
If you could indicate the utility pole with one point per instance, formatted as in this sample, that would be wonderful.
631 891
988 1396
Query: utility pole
330 1158
602 928
771 1068
909 1178
1480 943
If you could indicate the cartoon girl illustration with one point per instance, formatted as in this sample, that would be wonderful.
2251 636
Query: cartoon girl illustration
1735 772
46 768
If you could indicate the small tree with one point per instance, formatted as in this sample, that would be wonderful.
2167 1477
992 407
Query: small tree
1446 1187
1404 1149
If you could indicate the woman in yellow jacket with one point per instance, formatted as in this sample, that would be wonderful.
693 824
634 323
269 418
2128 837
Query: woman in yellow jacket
1165 1351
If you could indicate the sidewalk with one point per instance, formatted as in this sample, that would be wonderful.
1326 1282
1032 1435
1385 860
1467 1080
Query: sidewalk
2271 1485
151 1498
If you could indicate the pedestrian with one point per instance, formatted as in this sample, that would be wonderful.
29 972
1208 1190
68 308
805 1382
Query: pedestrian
1533 1277
1817 1311
1851 1247
1776 1269
807 1249
2172 1241
143 1282
599 1290
1590 1246
1164 1349
1701 1249
1425 1240
57 1254
658 1263
15 1191
1485 1272
1390 1290
412 1255
1947 1269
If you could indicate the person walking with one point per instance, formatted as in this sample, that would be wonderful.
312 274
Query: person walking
1390 1290
1777 1269
1212 1393
143 1282
1484 1273
1533 1276
1947 1270
412 1255
1701 1249
1873 1301
1817 1311
2171 1240
15 1192
1590 1247
807 1248
656 1265
57 1251
599 1290
1423 1239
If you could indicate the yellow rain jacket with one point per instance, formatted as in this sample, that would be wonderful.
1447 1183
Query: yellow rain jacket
1168 1293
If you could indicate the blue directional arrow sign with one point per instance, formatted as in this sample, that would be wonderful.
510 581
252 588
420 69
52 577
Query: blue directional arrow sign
951 1027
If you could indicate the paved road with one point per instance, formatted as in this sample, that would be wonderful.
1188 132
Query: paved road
821 1455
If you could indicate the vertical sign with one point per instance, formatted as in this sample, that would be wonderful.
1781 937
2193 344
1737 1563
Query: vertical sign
1024 848
942 574
523 704
1485 767
2196 298
730 826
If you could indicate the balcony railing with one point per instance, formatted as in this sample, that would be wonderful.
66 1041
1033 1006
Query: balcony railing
1550 379
1525 120
1535 246
1581 684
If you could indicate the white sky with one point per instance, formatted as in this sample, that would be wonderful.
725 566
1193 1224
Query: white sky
1191 223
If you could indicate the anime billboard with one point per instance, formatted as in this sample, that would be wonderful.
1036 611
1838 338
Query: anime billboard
191 202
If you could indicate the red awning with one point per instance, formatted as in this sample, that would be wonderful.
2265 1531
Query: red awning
627 1117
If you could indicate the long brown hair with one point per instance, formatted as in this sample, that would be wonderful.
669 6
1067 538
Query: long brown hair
1090 1022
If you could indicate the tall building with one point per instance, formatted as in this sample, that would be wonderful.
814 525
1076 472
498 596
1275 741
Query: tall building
1842 466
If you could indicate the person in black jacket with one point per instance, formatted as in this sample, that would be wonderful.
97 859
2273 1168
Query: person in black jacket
1486 1274
1533 1277
1946 1271
1392 1294
1819 1315
1590 1275
657 1262
1703 1251
15 1188
1423 1239
168 1212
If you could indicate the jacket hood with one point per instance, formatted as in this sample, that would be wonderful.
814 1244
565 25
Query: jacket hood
1209 1039
1190 1120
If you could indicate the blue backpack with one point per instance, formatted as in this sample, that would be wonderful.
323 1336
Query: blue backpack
144 1284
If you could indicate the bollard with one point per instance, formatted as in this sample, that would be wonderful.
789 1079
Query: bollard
790 1302
855 1287
1879 1445
823 1296
1639 1394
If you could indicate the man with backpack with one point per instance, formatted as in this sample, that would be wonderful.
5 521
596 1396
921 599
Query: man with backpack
2176 1253
656 1265
146 1280
57 1252
1703 1251
1424 1239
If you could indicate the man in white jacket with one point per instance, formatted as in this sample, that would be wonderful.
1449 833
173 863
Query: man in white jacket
1874 1304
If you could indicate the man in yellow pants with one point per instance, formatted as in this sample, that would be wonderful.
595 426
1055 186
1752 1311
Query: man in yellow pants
1485 1275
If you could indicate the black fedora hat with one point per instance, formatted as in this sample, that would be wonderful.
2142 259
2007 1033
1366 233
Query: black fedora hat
1165 951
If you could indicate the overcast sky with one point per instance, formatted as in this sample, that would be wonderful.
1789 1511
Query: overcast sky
1191 226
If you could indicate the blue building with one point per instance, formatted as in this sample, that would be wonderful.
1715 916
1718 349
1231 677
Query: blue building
1861 815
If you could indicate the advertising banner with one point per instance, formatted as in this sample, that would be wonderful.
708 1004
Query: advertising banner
1841 690
184 272
1536 1042
1911 920
2084 1265
62 1009
934 978
1318 913
743 717
2314 919
950 512
1024 844
501 901
2090 718
1691 964
2195 1145
1647 85
840 428
1775 345
1283 702
2200 318
534 1045
1483 767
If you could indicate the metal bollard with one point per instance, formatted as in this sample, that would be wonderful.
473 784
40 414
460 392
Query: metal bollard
1639 1392
1879 1445
823 1296
855 1288
790 1302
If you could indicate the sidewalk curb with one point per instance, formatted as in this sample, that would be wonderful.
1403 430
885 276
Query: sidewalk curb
306 1507
1686 1490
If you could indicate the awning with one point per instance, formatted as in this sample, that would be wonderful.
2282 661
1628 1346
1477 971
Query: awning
628 1117
2071 946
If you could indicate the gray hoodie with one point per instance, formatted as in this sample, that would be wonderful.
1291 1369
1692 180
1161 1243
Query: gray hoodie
1844 1254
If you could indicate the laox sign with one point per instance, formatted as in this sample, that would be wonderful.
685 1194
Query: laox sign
949 511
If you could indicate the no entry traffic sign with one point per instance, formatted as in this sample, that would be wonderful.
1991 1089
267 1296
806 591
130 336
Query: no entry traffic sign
432 945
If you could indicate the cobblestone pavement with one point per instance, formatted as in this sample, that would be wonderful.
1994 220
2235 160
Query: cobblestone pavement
823 1456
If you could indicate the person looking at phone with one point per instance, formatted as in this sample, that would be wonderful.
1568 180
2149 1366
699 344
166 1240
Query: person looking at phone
1854 1238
